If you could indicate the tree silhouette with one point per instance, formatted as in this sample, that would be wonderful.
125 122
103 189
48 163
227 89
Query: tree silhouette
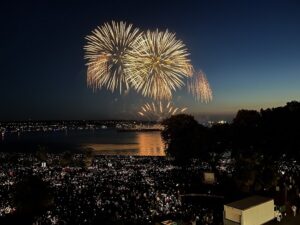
66 159
32 198
183 137
41 153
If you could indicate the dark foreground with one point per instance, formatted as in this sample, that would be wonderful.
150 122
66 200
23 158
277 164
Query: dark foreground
115 190
110 190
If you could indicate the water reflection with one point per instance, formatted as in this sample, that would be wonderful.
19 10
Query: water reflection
145 144
108 141
150 144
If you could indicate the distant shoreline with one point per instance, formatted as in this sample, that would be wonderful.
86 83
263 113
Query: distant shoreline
101 142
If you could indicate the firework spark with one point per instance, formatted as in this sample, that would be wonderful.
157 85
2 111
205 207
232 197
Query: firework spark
199 87
158 111
158 64
106 51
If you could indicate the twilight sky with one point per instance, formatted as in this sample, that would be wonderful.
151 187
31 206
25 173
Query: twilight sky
249 50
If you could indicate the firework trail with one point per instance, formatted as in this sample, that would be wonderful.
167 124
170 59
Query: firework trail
199 87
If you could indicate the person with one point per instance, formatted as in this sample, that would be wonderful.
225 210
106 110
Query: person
294 209
278 217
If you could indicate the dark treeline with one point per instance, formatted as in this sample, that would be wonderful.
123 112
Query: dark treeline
257 141
272 132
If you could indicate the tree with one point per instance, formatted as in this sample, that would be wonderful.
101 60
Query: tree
247 118
41 153
219 141
32 198
66 159
183 137
246 129
88 157
281 130
254 172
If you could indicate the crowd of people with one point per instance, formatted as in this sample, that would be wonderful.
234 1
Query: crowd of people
128 189
122 190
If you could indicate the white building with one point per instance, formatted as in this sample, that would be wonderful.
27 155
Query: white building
255 210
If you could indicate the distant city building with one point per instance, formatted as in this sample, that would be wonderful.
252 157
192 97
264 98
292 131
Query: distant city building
211 123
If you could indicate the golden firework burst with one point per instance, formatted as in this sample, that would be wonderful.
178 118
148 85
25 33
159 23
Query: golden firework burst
158 64
158 111
106 51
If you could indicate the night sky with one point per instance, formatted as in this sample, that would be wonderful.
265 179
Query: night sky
249 50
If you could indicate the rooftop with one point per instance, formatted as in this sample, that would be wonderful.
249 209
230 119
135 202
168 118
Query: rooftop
249 202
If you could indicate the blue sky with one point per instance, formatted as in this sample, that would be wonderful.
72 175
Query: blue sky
249 50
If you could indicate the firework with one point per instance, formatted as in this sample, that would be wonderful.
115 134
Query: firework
158 64
106 51
158 111
199 87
